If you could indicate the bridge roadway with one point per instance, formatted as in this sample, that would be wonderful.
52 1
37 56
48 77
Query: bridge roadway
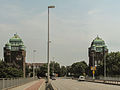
69 84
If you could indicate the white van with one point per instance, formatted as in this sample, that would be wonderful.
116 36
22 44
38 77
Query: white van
81 78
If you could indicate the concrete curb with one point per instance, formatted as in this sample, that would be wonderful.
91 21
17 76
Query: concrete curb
42 86
55 88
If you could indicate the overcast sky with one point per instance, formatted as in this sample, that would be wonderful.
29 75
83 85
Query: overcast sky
73 26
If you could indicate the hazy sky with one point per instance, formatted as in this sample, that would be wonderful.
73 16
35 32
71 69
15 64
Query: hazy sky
73 25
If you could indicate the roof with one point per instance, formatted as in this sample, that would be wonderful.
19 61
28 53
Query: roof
15 43
15 38
97 44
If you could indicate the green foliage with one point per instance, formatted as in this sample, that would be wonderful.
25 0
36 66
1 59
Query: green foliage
43 70
99 70
113 63
68 70
7 71
63 71
54 68
78 68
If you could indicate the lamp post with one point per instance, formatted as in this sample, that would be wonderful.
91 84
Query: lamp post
48 74
104 59
53 66
93 65
33 63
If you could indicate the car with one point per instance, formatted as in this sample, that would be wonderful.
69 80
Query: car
81 78
53 78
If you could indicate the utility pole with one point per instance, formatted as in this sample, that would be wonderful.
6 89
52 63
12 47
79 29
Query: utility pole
104 59
53 65
34 63
23 66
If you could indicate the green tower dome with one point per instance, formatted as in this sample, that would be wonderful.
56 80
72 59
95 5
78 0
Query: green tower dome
15 38
98 42
15 43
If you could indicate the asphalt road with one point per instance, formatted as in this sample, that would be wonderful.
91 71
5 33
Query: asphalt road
69 84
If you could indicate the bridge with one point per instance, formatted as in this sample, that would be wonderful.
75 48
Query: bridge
59 84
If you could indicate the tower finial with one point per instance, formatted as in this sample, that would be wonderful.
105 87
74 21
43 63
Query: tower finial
15 34
97 36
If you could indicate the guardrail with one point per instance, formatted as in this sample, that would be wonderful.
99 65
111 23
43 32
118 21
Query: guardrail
110 78
6 83
107 80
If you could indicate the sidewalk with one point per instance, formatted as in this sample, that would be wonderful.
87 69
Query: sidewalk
34 85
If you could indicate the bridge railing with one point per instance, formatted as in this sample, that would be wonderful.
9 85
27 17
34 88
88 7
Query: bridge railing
6 83
110 78
107 80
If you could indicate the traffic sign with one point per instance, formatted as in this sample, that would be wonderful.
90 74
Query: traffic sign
93 68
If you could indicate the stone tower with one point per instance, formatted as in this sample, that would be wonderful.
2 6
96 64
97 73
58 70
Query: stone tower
96 52
15 53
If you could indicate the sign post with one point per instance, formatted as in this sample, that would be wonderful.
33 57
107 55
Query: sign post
93 71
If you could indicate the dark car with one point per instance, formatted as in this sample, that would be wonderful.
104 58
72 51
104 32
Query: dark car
53 78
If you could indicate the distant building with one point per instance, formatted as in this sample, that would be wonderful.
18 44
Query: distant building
96 52
36 65
15 53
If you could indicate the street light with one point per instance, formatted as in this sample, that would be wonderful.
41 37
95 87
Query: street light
104 59
93 64
48 74
53 66
33 63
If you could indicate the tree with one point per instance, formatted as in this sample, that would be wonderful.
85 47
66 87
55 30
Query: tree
54 67
7 71
113 63
62 71
99 70
78 68
68 70
42 71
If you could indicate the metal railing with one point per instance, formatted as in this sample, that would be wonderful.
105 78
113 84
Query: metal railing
107 80
110 78
6 83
